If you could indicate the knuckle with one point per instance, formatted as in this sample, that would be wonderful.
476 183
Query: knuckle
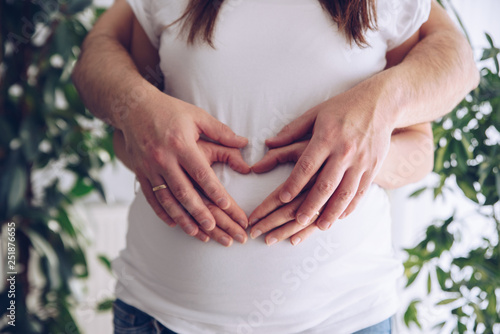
181 193
197 213
212 190
326 187
291 213
347 150
361 191
325 137
210 206
175 141
200 174
162 197
345 195
306 165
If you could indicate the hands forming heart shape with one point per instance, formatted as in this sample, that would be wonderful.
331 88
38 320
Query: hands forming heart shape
333 169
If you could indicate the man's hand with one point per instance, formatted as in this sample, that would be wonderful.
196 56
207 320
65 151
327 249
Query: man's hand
226 228
175 156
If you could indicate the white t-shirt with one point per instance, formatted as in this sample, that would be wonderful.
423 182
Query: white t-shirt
274 59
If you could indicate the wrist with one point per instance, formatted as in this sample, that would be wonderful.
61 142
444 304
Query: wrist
383 110
133 104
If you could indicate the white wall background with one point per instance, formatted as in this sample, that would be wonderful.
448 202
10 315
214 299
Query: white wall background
107 223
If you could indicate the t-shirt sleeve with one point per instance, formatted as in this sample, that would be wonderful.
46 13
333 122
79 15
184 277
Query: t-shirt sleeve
143 10
398 20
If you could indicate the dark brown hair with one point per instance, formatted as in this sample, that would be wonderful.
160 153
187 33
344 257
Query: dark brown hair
353 17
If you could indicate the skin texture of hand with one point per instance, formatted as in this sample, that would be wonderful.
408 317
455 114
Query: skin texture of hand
226 228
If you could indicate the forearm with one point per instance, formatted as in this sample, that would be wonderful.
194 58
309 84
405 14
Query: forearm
109 73
108 80
410 158
433 77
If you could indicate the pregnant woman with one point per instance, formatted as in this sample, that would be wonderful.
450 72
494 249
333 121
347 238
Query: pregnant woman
256 65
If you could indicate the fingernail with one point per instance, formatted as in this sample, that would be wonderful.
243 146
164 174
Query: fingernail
240 238
272 241
302 219
296 241
206 224
223 203
206 238
255 234
324 225
225 241
243 223
342 216
285 197
190 230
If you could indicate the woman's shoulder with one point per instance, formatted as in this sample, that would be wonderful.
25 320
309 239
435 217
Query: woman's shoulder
397 20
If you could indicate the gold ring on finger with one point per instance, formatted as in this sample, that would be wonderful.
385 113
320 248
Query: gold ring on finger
161 186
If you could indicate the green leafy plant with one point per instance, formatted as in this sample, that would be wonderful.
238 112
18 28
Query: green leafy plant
51 149
467 157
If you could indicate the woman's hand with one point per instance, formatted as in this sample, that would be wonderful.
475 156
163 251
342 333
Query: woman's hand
272 214
283 223
228 223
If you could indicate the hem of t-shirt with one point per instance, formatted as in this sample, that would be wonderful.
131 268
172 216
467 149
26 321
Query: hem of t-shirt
378 312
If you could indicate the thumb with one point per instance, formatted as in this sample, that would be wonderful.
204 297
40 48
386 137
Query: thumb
294 131
220 132
226 155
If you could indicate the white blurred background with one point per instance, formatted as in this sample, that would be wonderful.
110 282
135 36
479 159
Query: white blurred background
107 222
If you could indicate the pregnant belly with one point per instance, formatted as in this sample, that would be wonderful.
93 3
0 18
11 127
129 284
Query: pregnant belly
213 280
250 190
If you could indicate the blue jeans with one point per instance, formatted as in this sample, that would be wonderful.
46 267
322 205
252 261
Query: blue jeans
130 320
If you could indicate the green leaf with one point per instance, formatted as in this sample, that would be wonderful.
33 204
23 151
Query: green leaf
461 327
63 40
442 276
447 301
105 261
105 305
429 283
497 183
468 189
99 11
412 278
31 135
82 187
46 250
13 185
6 132
411 314
417 192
